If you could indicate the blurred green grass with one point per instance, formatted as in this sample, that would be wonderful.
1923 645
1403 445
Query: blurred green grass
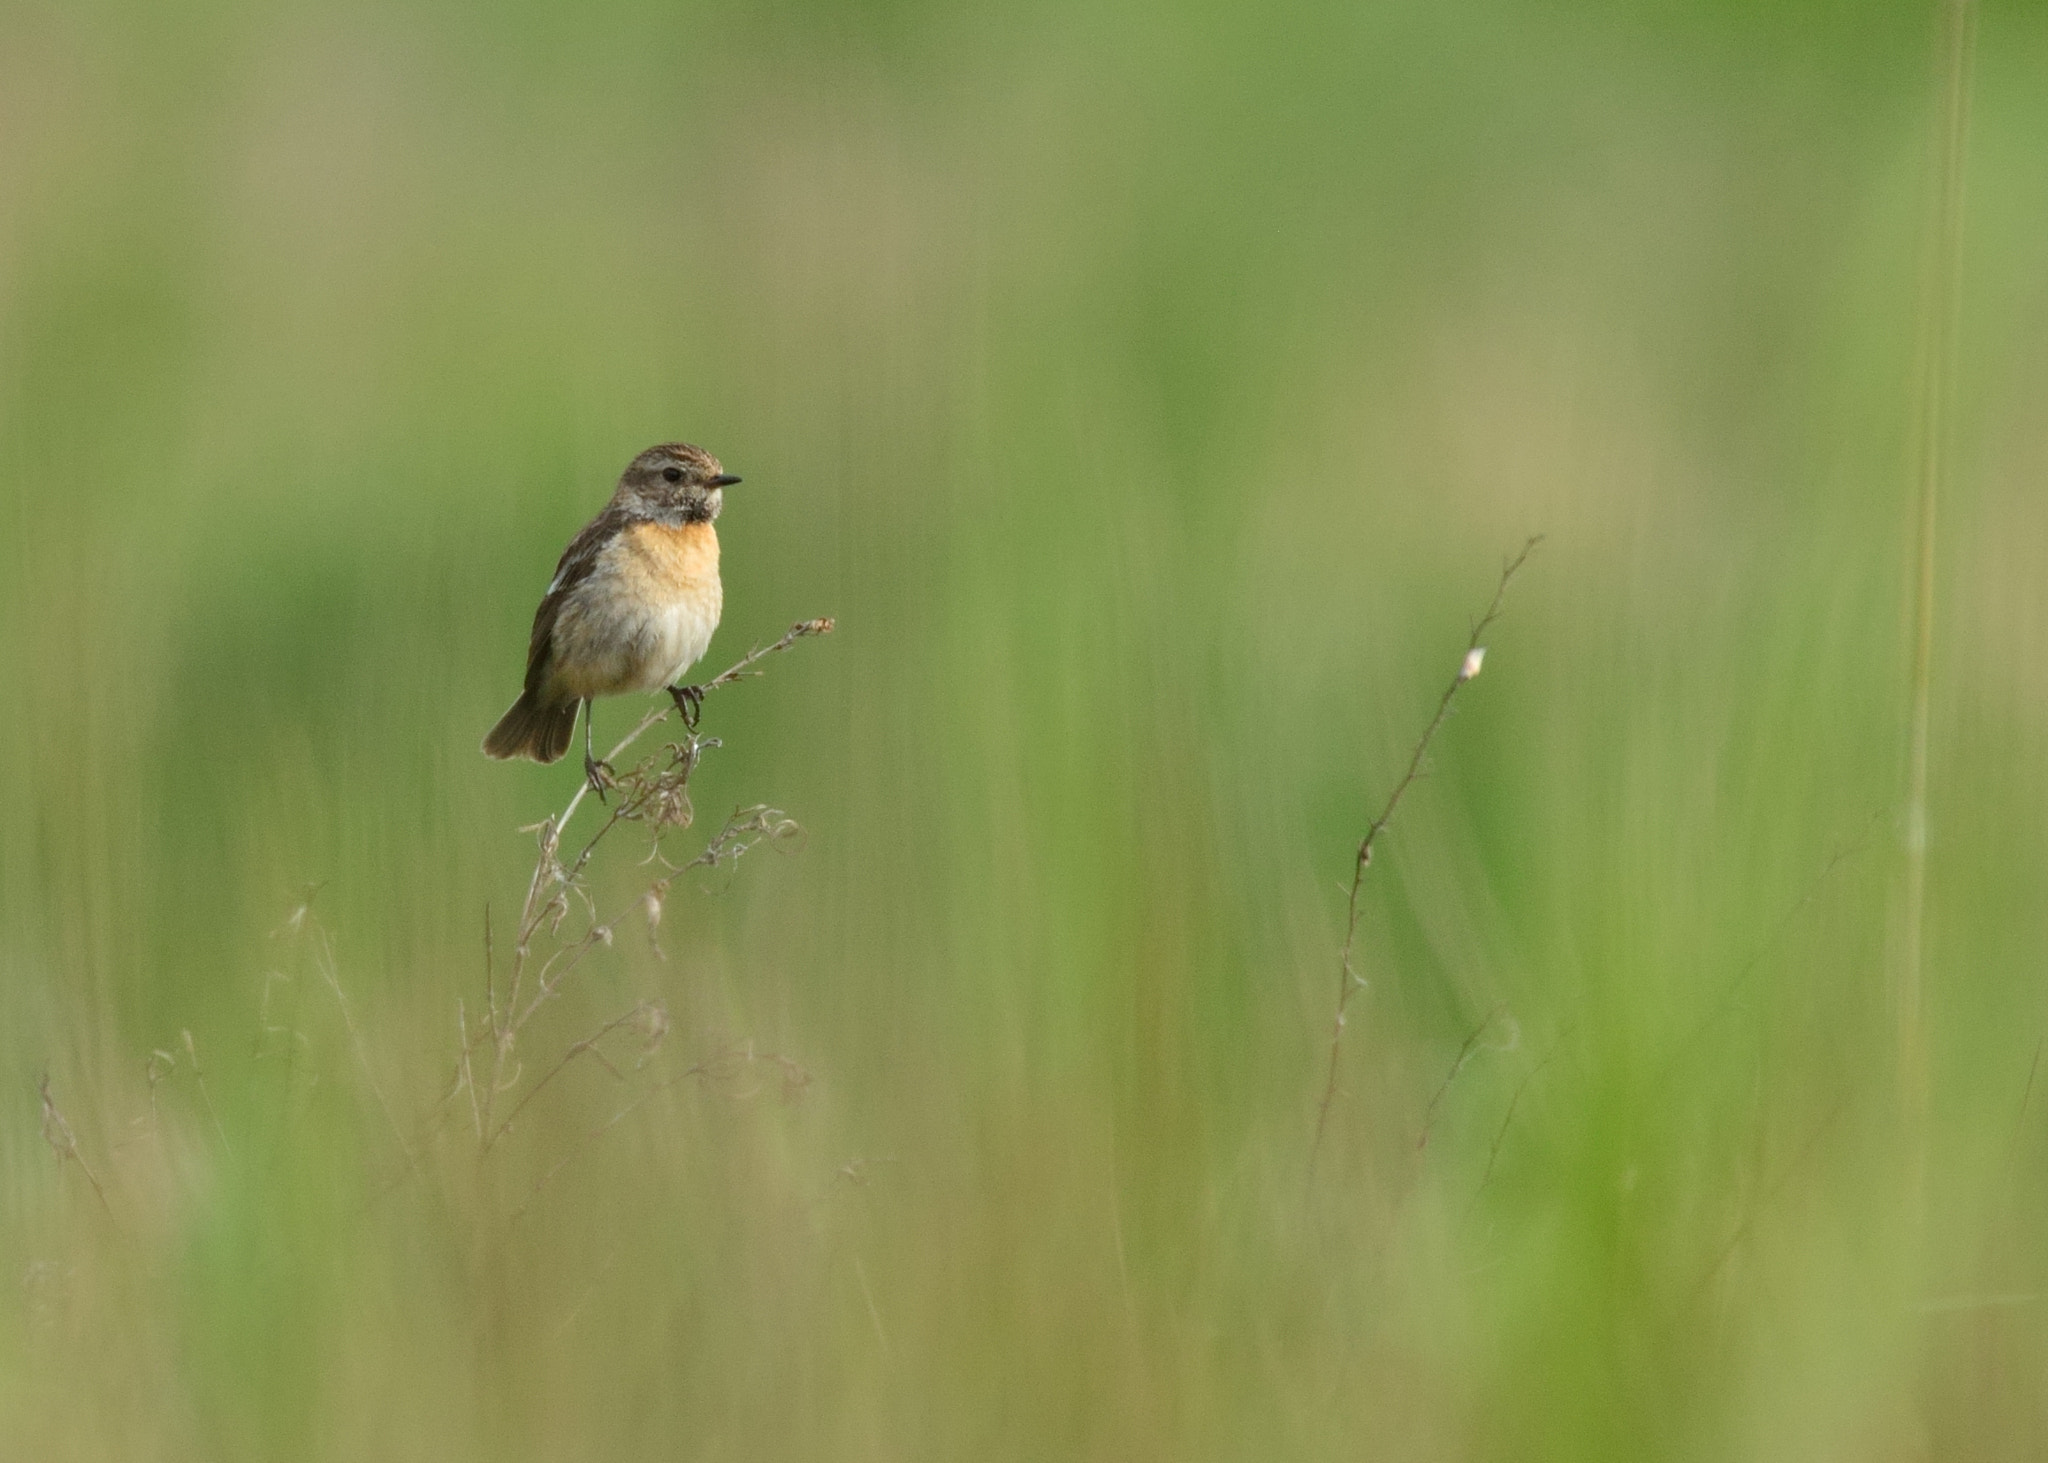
1150 392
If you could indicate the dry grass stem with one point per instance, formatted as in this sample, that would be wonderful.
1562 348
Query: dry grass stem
1763 1194
1466 1053
64 1143
726 1064
1507 1119
1349 980
330 975
654 793
205 1093
649 1017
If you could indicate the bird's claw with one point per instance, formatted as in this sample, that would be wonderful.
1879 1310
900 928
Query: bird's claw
689 704
599 775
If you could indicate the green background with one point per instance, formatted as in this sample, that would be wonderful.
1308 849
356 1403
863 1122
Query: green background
1151 391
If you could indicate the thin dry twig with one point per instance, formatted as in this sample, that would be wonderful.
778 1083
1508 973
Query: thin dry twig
740 670
541 1183
1726 1001
1349 980
1507 1119
1465 1054
727 1064
205 1093
324 961
157 1068
465 1076
64 1143
1765 1193
649 1017
490 963
655 793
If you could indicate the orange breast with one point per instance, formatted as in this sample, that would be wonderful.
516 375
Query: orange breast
660 562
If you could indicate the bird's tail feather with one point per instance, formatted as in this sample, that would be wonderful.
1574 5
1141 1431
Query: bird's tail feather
530 729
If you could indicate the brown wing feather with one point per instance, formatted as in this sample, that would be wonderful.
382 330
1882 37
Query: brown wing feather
578 560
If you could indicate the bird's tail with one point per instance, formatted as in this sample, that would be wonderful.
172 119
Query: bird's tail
530 729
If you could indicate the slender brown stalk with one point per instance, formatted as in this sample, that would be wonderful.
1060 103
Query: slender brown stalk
588 1044
1727 1000
64 1143
205 1093
740 670
655 792
1507 1120
727 1062
324 962
1466 1052
1349 980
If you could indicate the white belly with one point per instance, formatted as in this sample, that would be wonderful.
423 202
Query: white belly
675 639
608 644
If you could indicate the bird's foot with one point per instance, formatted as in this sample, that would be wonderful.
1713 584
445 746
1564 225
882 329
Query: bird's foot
599 775
689 704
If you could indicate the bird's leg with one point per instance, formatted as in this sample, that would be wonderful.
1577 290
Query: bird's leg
689 704
597 773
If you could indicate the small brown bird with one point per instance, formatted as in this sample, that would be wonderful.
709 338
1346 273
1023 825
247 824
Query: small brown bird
632 606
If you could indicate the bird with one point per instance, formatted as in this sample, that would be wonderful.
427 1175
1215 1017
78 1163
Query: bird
633 605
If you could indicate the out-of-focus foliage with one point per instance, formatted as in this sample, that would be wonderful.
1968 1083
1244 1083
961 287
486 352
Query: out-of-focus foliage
1150 391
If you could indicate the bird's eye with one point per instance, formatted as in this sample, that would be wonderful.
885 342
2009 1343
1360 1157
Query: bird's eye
673 474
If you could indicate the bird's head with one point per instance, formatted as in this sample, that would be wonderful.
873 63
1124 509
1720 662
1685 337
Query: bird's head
677 480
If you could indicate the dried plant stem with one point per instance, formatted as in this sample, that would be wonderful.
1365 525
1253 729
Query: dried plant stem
1727 1000
1935 372
1349 980
465 1076
64 1143
1466 1052
652 1090
325 963
205 1093
510 1005
721 1065
576 1049
2019 1122
738 671
1507 1120
1763 1194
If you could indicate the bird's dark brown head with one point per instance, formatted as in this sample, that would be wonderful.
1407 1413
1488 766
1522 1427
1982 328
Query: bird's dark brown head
676 481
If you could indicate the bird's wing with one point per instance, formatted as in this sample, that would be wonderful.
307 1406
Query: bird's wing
578 560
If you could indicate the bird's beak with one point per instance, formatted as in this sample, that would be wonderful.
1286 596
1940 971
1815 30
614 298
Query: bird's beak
724 480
